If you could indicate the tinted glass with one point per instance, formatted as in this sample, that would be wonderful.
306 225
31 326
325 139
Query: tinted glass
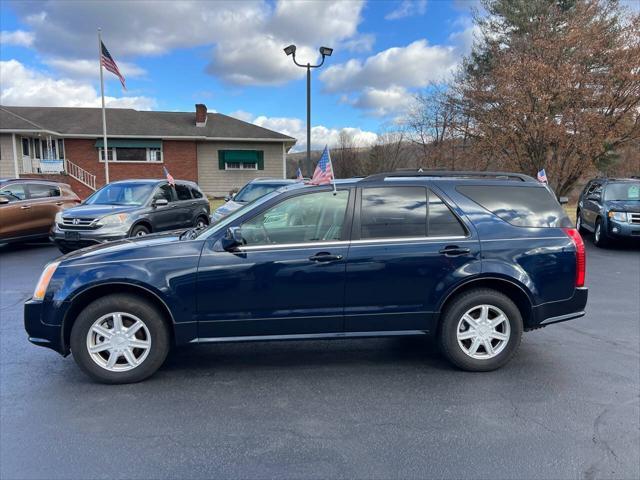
622 191
251 191
43 191
442 221
183 192
14 191
165 191
395 212
196 193
121 194
315 217
131 154
520 206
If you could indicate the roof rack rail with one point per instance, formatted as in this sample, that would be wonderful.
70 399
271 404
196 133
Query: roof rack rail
449 173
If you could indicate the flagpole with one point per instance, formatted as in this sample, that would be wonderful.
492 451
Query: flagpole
104 115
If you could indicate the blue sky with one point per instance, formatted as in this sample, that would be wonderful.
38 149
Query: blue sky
229 56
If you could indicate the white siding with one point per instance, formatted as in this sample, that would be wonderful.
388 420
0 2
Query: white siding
7 168
219 183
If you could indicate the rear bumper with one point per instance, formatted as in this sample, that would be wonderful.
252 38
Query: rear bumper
554 312
40 333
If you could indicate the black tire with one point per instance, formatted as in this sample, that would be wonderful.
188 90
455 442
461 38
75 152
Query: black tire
130 304
201 222
600 238
139 231
452 316
579 226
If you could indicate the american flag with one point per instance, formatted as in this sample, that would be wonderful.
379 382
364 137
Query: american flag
299 176
109 63
542 176
323 173
169 176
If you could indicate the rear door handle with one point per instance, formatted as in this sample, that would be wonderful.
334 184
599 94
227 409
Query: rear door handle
325 257
25 207
454 251
59 204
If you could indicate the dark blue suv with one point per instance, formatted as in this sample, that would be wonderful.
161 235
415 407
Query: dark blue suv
472 258
610 208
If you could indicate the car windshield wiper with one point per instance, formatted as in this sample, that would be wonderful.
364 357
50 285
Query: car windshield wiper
188 234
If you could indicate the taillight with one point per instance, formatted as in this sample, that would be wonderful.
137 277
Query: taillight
581 258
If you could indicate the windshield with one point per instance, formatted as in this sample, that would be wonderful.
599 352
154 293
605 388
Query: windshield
252 191
134 194
623 191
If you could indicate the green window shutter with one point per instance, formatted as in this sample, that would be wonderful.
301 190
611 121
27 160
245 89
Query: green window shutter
260 160
221 159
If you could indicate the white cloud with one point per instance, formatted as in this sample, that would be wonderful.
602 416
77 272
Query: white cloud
18 37
360 43
89 68
407 8
383 102
415 65
295 127
246 37
20 85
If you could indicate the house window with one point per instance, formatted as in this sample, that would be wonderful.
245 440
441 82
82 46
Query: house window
240 166
25 147
131 154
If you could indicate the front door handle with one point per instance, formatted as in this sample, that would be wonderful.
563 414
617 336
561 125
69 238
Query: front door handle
25 207
325 257
59 204
454 251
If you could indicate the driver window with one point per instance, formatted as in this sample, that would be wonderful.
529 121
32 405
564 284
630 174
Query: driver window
314 217
165 191
14 192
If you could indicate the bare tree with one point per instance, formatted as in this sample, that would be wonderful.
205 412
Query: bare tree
344 156
389 153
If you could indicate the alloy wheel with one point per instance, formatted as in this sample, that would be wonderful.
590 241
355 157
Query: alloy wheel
483 332
118 342
598 233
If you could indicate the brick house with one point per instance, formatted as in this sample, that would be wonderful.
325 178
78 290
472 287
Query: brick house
219 152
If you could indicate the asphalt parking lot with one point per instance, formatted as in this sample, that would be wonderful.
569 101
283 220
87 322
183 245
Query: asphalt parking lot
568 406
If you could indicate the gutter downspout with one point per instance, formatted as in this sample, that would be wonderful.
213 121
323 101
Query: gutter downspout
15 155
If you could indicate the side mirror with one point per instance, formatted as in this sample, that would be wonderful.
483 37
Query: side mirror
563 200
232 239
160 202
227 198
4 200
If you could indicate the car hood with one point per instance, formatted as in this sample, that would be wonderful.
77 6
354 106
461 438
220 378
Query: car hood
624 205
96 211
118 246
229 207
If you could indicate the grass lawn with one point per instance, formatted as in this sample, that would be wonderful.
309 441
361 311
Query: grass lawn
215 203
570 208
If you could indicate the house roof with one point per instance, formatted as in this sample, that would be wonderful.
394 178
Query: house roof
127 122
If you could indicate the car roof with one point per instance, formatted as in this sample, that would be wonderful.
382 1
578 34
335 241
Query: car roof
272 181
151 181
30 180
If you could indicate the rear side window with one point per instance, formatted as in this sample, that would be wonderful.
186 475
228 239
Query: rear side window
402 212
519 206
37 190
196 193
183 192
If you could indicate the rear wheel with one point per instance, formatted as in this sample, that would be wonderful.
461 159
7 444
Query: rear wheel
119 338
599 235
201 222
139 231
480 330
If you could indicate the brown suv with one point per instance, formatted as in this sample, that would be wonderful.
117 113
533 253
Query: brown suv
28 207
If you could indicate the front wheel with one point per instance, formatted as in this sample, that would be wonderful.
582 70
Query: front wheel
579 225
599 235
119 338
139 231
480 330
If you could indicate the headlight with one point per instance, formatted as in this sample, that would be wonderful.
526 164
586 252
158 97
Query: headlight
43 282
618 216
59 218
117 219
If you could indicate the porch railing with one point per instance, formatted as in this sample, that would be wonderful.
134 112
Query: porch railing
80 174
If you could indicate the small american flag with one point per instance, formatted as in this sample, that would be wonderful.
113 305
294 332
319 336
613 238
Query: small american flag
109 63
542 176
299 176
323 173
169 176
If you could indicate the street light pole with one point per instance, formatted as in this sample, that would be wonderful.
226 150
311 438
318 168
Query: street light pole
325 52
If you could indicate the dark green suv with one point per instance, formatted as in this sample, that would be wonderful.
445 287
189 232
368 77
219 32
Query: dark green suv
610 208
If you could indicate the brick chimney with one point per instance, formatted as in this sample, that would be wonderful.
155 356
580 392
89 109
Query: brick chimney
201 114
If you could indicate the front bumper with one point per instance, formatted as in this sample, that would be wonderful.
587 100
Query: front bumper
560 311
74 239
40 333
623 229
